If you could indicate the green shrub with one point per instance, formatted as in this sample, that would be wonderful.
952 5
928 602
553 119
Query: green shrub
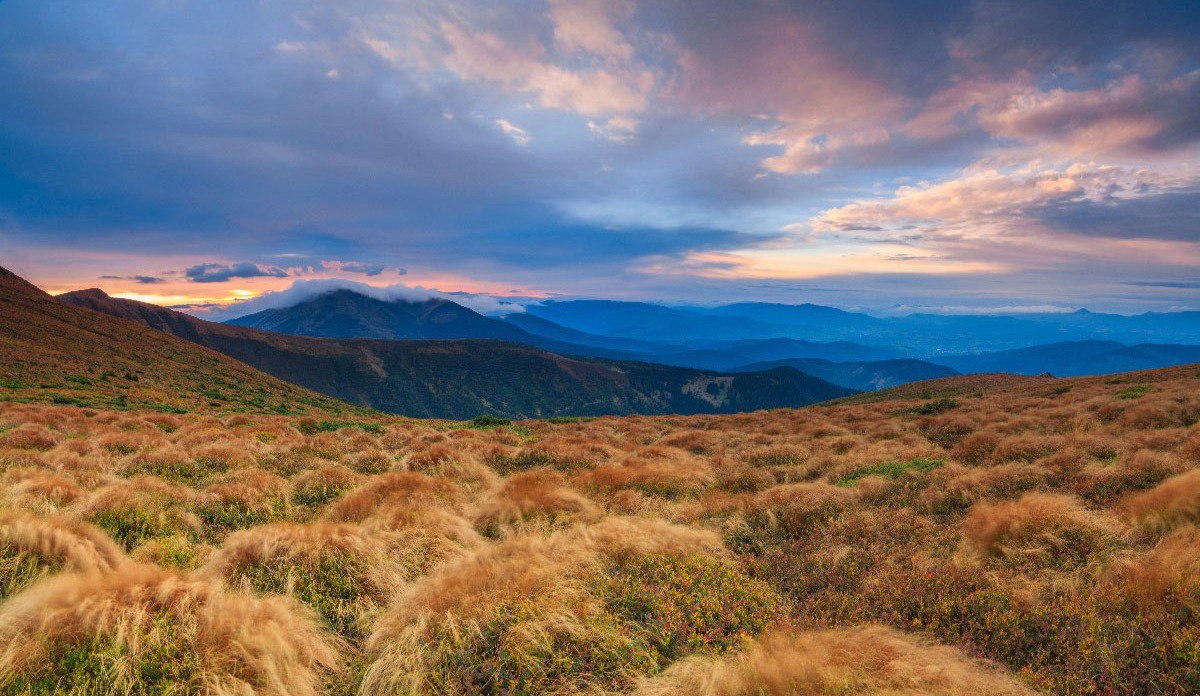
1135 392
684 604
132 525
309 426
891 470
221 517
489 421
931 408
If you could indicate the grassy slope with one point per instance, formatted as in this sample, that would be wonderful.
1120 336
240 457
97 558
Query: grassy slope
54 353
1050 525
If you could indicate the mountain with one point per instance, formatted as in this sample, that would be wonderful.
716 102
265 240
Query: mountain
53 352
466 378
546 329
925 336
644 321
348 314
1072 358
861 376
811 318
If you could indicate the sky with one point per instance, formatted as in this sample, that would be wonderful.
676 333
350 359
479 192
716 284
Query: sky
993 156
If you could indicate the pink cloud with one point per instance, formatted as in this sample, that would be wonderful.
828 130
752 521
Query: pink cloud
779 68
529 68
590 26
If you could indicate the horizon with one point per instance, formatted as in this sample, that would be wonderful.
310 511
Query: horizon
302 291
952 158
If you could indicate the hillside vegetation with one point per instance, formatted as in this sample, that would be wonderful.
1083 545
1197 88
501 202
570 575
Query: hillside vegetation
54 353
962 536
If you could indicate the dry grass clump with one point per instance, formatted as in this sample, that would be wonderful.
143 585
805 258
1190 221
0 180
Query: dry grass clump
557 452
1167 505
370 462
343 572
563 613
31 547
170 464
947 429
442 461
794 508
1103 482
1166 578
1026 447
539 496
29 436
136 510
1040 530
314 488
423 515
139 629
976 448
661 471
870 660
240 499
39 489
395 491
515 618
958 488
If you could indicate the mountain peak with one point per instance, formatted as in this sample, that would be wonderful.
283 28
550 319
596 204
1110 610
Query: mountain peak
345 313
88 293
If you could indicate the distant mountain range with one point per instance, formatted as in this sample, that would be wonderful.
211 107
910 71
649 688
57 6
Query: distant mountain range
347 314
923 336
437 358
463 378
1075 358
713 339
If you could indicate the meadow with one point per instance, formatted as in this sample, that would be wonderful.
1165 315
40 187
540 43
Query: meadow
985 534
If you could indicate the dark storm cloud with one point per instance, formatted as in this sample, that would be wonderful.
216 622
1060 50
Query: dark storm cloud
219 273
141 279
363 268
1172 215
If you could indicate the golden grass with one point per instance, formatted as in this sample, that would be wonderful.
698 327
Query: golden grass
141 629
868 660
864 547
1040 530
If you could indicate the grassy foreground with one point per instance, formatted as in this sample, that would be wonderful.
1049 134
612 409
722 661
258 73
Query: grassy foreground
1000 537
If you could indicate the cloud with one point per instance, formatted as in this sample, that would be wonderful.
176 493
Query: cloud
219 273
485 56
1131 115
142 279
986 199
590 26
518 135
991 310
780 67
1186 285
364 268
